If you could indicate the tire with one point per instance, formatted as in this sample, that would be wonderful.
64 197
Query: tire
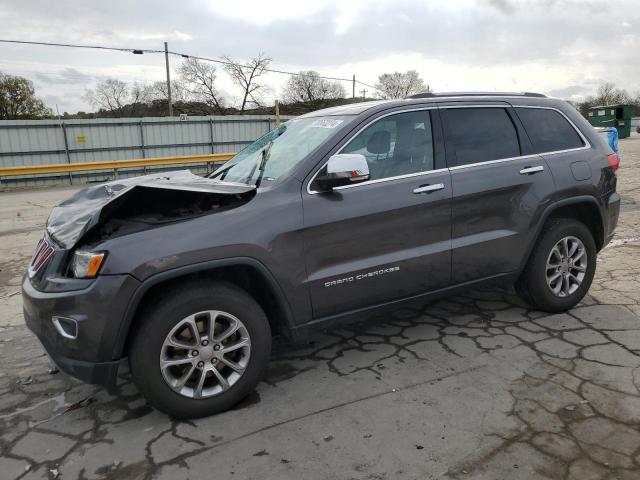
532 284
156 335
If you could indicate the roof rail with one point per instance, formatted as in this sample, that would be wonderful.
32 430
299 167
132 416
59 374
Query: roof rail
477 94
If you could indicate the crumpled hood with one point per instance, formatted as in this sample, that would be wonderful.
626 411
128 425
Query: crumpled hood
74 217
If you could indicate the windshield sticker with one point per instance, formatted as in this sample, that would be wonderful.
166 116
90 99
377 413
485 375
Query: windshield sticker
326 123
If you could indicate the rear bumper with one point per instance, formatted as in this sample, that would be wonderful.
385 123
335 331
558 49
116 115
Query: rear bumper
613 212
98 311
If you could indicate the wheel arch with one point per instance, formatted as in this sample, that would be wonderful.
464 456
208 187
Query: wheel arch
246 272
583 208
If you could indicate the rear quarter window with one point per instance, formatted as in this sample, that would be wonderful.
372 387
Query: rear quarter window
548 130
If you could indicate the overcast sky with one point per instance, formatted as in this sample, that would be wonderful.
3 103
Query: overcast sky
563 48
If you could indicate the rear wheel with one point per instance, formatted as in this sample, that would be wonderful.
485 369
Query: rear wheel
561 267
200 349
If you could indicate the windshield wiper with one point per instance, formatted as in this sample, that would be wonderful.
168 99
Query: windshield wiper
260 164
266 154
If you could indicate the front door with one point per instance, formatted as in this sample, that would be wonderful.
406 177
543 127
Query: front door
388 238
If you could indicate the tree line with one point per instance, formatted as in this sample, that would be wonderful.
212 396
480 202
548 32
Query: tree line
195 91
609 94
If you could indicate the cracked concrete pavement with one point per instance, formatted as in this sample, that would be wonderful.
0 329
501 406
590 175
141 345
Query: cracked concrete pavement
475 386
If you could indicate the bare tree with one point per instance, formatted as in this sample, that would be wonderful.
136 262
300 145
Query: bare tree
609 94
137 94
309 87
400 85
246 76
199 79
158 91
110 94
18 99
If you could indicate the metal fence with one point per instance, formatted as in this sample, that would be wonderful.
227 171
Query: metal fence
42 142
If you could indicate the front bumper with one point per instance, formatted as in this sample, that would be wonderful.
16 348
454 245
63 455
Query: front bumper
98 311
99 373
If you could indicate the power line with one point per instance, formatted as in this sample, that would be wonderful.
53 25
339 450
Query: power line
367 85
183 55
137 51
80 77
271 70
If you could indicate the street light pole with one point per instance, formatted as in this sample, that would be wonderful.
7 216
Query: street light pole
166 61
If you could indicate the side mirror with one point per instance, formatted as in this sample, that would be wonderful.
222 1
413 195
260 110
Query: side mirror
343 169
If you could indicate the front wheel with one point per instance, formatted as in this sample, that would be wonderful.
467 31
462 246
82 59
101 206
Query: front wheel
200 349
561 267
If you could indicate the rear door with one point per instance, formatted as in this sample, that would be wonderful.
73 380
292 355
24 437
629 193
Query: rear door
499 189
387 238
557 140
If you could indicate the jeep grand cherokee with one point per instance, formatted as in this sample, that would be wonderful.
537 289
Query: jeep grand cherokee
331 215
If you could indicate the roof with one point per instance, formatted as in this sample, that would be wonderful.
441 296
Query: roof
477 94
360 107
349 109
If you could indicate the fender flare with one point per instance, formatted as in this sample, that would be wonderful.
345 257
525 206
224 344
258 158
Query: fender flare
547 213
147 284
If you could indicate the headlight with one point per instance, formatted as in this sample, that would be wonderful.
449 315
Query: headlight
86 264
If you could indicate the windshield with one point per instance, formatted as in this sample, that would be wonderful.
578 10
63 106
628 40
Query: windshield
276 153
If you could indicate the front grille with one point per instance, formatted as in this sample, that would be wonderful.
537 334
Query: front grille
42 254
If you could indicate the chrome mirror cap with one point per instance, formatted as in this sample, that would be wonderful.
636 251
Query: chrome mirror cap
343 169
353 166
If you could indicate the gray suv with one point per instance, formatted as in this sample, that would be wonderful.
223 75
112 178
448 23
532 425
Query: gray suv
332 215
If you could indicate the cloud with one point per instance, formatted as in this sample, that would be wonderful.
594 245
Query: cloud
181 35
65 76
570 92
264 13
466 44
505 6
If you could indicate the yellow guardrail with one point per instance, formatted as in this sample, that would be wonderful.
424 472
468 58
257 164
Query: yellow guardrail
112 164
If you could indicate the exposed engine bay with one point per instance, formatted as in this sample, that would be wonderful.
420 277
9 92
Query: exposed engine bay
146 207
132 205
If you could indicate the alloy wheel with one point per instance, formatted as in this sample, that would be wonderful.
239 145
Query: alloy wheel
205 354
566 266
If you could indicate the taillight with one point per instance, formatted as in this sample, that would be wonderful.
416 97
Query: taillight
614 161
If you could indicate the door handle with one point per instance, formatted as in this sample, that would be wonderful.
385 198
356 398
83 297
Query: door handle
531 170
429 188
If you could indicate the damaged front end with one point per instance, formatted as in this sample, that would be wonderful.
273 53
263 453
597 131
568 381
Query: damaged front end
65 259
75 311
127 206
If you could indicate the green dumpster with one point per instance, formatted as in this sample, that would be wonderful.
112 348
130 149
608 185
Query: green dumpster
618 116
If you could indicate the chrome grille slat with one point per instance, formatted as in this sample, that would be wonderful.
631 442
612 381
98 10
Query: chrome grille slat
43 252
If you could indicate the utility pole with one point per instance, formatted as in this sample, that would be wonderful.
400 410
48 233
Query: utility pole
364 93
277 111
353 88
166 61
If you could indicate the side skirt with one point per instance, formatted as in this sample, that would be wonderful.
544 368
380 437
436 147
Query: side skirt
304 330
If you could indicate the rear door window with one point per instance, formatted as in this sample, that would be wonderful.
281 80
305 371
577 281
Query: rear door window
482 134
548 130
